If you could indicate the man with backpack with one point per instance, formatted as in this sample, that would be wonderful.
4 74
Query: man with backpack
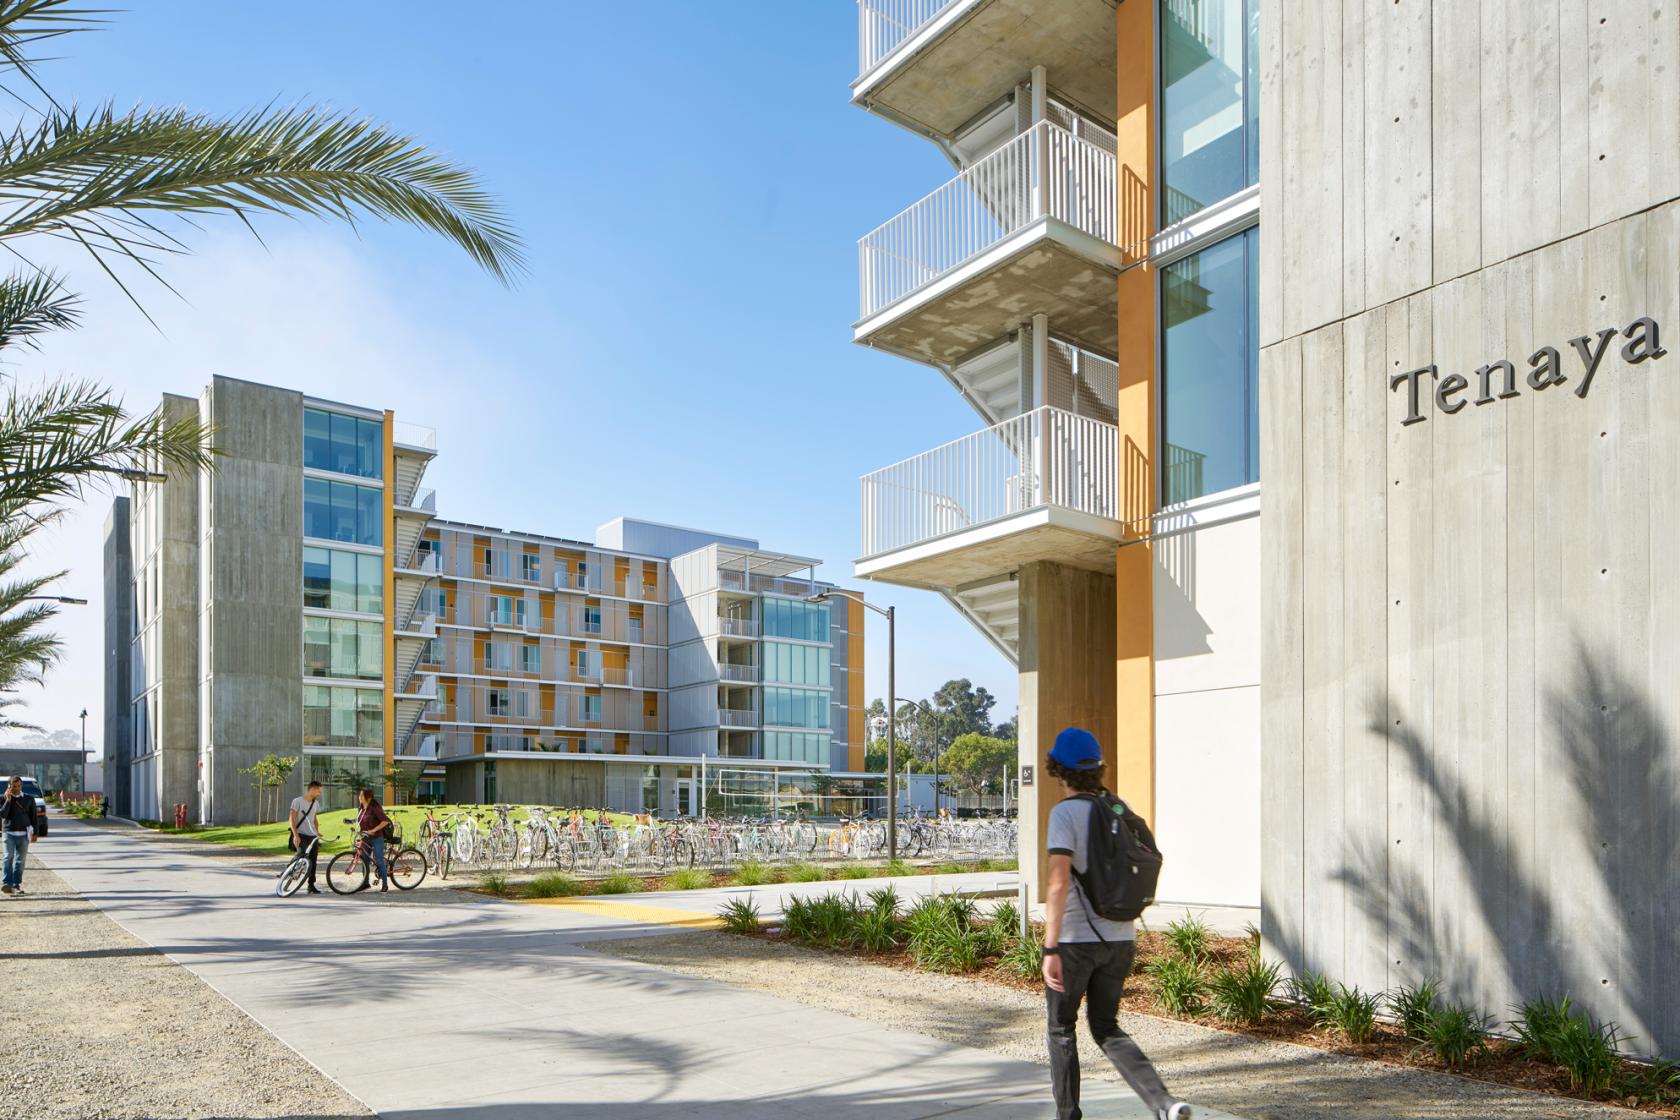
1103 856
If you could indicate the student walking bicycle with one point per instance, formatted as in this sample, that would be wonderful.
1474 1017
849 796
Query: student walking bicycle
305 838
300 869
1090 944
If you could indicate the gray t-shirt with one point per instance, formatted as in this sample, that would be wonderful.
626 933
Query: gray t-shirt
1069 833
305 810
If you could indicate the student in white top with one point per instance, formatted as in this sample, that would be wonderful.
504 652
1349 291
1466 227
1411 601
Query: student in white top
306 829
1087 957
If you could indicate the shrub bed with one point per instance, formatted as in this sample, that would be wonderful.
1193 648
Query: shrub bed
1188 972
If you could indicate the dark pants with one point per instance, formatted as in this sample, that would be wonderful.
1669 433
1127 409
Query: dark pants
312 849
1096 972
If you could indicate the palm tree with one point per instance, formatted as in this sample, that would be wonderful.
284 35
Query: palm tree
129 188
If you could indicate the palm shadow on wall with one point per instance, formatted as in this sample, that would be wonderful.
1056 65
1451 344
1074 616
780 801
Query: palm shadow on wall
1611 792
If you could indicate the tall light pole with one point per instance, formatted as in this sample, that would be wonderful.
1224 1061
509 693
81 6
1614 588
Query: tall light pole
84 751
892 731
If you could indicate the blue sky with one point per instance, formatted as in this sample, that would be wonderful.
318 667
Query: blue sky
690 181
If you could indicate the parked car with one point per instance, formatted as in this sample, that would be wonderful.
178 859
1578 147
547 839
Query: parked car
30 789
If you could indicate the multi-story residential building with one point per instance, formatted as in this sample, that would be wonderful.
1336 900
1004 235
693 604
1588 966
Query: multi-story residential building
303 599
1085 283
1414 696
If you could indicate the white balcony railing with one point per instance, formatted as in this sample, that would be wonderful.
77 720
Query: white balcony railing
739 627
424 500
735 717
404 434
747 673
1046 172
1046 457
885 25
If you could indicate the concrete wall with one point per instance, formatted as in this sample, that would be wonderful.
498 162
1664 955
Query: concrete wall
1066 663
119 632
253 609
1207 700
178 664
1470 764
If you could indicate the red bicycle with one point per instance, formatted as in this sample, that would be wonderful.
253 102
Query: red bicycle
349 872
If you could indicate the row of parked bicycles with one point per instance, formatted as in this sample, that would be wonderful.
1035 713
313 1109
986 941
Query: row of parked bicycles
595 842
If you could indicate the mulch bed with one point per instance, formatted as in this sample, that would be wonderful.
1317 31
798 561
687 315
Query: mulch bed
1503 1063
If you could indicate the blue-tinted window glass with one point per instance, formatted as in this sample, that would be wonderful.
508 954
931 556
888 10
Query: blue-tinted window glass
1210 370
791 618
795 707
317 439
344 444
317 577
341 511
1210 135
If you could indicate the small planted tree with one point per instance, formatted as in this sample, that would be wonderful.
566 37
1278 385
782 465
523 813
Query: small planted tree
268 777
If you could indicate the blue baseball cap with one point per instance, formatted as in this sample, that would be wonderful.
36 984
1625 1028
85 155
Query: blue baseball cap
1076 749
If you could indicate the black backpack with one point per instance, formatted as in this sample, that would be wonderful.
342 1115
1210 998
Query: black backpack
1122 863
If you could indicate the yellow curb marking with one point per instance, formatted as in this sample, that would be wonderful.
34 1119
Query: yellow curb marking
607 908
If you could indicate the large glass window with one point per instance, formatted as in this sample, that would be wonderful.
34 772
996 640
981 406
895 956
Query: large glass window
796 746
343 717
795 707
341 776
786 663
793 618
343 648
1210 370
345 444
343 581
342 511
1210 135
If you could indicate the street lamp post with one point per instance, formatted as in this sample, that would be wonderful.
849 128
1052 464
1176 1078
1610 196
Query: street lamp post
892 731
84 751
66 600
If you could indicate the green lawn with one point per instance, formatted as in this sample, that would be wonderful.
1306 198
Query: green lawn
337 828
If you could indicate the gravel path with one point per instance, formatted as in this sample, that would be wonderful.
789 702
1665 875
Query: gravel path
124 1033
1247 1076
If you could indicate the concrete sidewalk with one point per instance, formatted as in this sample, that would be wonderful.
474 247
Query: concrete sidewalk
436 1005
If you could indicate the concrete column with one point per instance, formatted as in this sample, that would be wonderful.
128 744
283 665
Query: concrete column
1067 679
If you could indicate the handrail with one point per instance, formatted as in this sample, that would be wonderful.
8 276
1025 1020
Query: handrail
885 25
1046 457
1045 172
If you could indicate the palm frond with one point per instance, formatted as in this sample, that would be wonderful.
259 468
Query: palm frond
104 177
56 439
25 23
31 305
25 650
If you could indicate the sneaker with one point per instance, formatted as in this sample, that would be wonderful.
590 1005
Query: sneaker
8 890
1176 1111
312 890
18 889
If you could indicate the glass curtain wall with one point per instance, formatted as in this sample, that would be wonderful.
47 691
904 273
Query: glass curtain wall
343 581
1210 102
342 444
342 511
793 618
1210 151
1210 369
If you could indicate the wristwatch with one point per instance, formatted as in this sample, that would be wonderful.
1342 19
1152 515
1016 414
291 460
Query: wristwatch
1052 950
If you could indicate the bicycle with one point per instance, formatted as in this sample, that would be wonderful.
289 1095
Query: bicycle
293 875
349 871
434 844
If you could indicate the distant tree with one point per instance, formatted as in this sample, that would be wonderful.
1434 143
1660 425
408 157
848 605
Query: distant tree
1008 729
403 780
963 709
978 764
